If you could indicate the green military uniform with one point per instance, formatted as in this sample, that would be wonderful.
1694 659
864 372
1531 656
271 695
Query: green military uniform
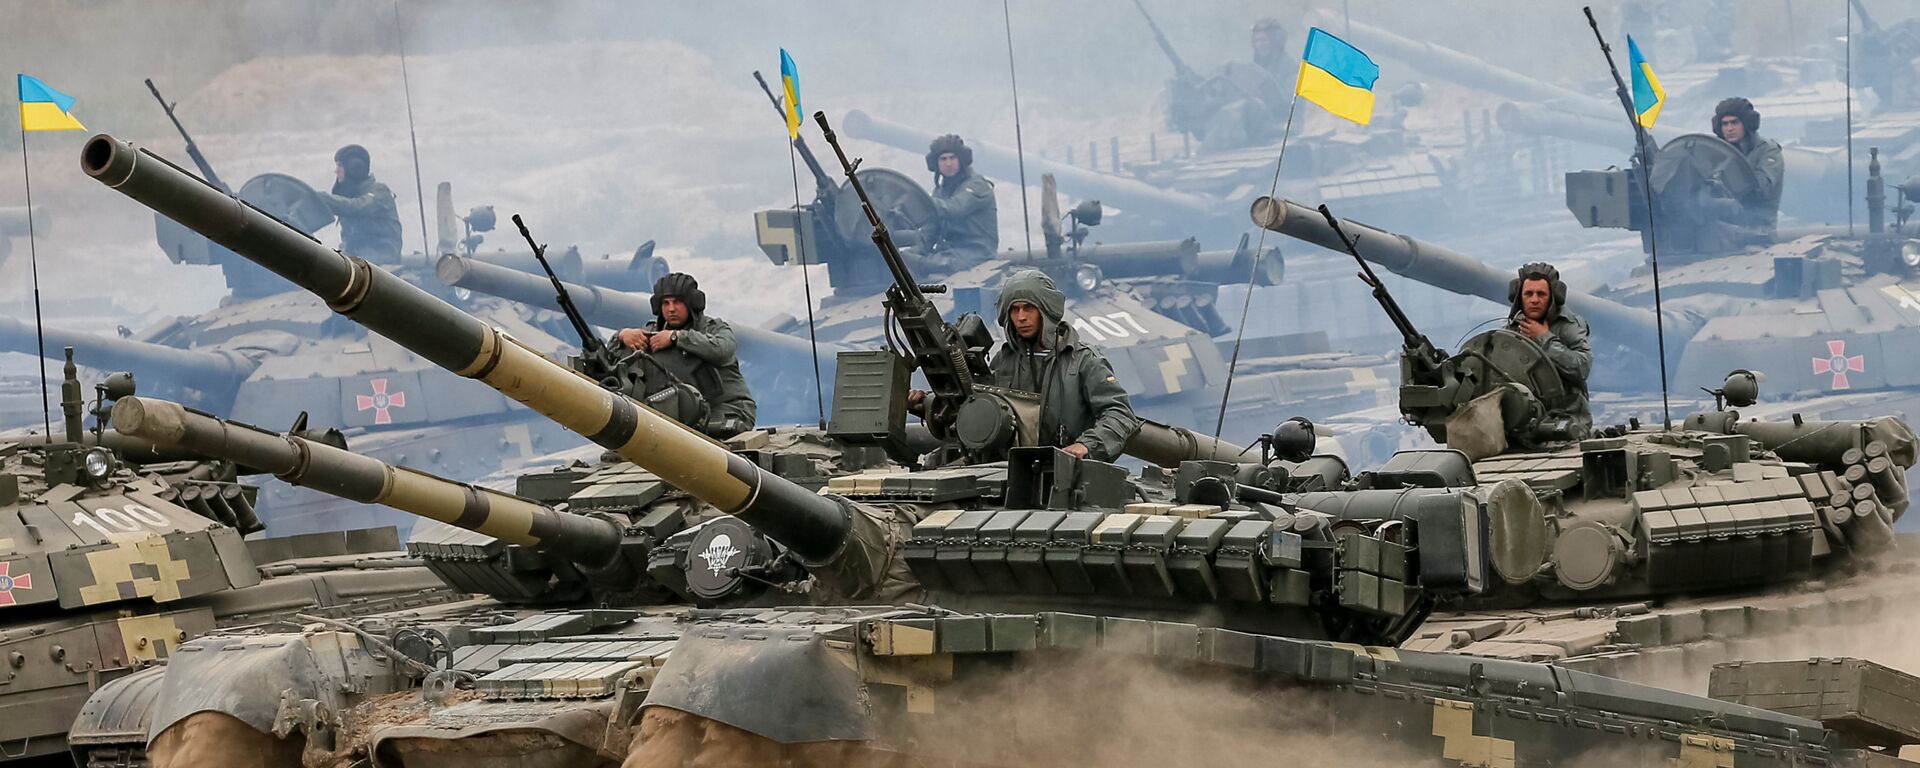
965 229
1759 208
369 219
1566 346
1081 401
703 355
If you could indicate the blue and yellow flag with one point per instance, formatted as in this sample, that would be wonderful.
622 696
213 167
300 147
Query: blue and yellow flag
1647 93
44 109
790 82
1337 76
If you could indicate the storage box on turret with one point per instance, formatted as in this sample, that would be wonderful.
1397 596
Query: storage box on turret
1869 703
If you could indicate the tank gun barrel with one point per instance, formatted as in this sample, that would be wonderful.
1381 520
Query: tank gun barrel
813 526
590 541
1001 161
1470 71
207 371
1442 268
601 306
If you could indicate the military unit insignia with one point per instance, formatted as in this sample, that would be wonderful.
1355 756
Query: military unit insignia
380 401
1838 363
9 582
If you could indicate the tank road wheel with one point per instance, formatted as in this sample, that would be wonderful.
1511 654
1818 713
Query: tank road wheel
215 738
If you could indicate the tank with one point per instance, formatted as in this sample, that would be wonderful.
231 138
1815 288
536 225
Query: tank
1153 308
1036 564
1600 598
117 551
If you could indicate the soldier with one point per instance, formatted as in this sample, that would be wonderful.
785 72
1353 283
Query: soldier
1240 104
1083 408
1736 121
696 349
1539 301
966 225
369 222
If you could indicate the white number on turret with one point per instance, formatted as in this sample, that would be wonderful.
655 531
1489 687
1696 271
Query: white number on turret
1100 328
127 519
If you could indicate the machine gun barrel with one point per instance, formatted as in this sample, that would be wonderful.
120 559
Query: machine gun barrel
193 149
588 342
1415 341
589 541
1442 268
1180 68
207 371
815 527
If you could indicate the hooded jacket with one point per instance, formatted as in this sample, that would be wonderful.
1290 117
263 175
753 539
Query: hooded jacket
369 220
1081 401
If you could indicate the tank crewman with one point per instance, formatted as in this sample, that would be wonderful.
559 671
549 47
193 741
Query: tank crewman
369 221
966 223
1083 408
1539 300
1241 104
699 350
1738 123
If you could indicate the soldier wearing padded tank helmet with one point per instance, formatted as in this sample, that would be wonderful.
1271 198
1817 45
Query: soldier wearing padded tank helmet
697 349
369 221
1540 313
966 224
1738 123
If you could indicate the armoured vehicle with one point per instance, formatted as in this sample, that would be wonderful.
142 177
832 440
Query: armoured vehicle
267 348
114 552
1040 563
1151 306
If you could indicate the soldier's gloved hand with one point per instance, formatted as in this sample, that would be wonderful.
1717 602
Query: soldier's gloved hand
634 338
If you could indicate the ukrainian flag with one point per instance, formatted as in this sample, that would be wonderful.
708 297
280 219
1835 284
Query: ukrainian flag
44 109
1648 96
790 82
1338 77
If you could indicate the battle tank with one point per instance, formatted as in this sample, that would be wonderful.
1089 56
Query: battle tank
1070 568
266 348
1151 306
1664 549
114 551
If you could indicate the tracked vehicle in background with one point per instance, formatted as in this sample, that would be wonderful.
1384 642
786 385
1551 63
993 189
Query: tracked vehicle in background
1039 562
114 552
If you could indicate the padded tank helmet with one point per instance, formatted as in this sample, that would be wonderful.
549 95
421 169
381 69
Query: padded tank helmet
949 143
1738 107
1538 270
354 159
682 286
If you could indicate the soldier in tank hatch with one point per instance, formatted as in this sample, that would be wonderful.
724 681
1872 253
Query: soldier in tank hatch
966 224
698 349
369 220
1539 299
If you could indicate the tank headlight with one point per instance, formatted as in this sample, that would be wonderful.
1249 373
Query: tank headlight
1087 277
1910 254
98 464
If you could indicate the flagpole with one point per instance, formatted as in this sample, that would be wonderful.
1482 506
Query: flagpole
1240 331
806 280
33 260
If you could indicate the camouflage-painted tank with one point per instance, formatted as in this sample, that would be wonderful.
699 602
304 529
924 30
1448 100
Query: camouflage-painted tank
1150 306
114 552
1717 540
1041 564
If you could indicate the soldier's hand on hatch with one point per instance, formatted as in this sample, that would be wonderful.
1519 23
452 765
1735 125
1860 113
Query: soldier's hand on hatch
660 340
917 402
1079 450
1532 328
634 338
